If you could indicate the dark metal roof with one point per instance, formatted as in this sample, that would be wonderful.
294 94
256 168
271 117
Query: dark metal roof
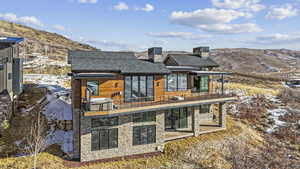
123 62
11 40
192 60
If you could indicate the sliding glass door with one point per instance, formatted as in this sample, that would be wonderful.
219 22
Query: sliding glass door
176 118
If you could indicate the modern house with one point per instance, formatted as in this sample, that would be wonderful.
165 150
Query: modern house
11 75
124 106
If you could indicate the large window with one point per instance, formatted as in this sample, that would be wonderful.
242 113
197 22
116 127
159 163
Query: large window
144 117
105 121
104 139
93 88
176 82
138 88
144 135
176 118
204 84
205 108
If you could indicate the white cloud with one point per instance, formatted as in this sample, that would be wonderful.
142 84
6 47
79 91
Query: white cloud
88 1
31 20
206 16
147 8
250 5
282 12
181 35
277 39
215 20
231 28
59 27
121 6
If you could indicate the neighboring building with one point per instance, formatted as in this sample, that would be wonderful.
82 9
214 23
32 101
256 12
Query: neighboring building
11 75
124 106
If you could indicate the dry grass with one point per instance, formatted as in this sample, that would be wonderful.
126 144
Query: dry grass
251 90
173 150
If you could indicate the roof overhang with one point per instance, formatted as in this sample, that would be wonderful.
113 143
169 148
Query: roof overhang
11 40
93 75
182 68
211 73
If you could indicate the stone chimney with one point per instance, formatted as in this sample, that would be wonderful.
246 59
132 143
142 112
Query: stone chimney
202 52
155 54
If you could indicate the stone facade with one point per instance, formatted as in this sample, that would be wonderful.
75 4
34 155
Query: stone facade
83 136
125 139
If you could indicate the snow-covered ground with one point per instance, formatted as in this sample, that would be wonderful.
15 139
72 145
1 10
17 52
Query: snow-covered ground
42 61
58 107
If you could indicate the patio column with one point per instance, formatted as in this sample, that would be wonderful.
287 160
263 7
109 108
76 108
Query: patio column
222 115
196 120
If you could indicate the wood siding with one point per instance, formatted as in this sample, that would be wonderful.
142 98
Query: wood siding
114 88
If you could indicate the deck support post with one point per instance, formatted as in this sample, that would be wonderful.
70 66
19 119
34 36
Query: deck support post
196 121
222 84
222 115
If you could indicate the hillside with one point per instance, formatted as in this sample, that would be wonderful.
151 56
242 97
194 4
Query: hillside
38 41
257 60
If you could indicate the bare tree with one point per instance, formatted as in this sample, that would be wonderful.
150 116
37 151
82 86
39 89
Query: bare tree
36 140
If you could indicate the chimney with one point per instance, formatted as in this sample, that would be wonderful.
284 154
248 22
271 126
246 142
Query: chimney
155 54
202 52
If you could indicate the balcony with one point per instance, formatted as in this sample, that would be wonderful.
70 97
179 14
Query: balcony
118 106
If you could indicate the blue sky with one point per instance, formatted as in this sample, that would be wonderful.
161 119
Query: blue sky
172 24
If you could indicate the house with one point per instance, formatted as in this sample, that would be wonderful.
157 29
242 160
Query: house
11 75
123 106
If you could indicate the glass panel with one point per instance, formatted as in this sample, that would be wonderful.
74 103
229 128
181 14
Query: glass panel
138 117
183 118
172 82
136 135
205 108
103 139
182 81
113 135
143 92
175 118
151 116
144 135
204 84
135 87
95 140
93 87
127 88
168 119
150 87
106 121
151 131
166 82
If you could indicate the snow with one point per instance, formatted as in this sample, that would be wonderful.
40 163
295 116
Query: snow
58 108
62 138
275 114
42 61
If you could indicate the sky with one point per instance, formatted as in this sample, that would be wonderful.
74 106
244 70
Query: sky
171 24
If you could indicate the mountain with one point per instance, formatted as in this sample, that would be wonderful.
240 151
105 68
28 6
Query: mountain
38 41
236 59
257 60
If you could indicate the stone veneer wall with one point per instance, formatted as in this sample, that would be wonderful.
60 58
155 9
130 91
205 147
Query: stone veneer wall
125 136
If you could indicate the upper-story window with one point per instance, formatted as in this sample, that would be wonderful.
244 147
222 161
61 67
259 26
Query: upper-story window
204 84
93 87
176 82
138 88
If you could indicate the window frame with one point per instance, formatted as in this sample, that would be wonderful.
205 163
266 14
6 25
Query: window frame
166 85
149 93
108 122
144 117
208 80
111 135
98 87
207 109
143 138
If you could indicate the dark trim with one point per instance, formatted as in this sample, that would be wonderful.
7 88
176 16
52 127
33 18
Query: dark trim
159 109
